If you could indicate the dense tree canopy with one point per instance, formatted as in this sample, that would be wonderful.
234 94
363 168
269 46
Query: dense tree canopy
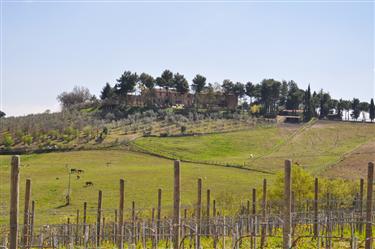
147 81
199 82
180 83
270 95
126 83
107 92
355 109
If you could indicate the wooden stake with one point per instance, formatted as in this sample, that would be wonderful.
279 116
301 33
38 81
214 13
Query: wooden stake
176 205
287 240
32 219
199 211
14 202
315 206
361 194
370 182
26 214
99 219
158 221
264 214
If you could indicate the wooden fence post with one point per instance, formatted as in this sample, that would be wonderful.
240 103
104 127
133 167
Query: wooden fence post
264 214
208 207
32 219
134 239
370 182
99 219
315 206
287 240
176 205
14 202
254 202
84 223
77 228
158 218
199 212
26 214
121 208
361 194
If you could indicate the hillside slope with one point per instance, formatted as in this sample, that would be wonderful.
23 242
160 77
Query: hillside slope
315 147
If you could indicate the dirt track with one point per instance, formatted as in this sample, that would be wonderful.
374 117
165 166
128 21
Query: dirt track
354 165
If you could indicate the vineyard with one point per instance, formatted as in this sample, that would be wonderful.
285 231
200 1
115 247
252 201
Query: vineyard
292 221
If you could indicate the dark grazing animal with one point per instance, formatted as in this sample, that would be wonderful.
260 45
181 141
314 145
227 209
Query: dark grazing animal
89 184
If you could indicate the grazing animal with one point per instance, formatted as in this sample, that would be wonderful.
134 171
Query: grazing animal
251 156
57 178
79 171
78 177
73 170
89 184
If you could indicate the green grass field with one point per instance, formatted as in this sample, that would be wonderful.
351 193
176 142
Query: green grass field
314 147
233 147
143 176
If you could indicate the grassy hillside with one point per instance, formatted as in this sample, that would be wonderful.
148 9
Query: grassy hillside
143 176
315 146
233 147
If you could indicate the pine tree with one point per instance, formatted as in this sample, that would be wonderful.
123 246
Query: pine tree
107 92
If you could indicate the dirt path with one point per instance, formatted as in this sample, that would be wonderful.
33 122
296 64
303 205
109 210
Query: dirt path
354 165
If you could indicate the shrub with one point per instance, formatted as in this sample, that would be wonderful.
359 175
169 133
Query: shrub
27 139
303 187
8 140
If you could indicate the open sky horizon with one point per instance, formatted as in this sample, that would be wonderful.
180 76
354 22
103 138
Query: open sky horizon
48 47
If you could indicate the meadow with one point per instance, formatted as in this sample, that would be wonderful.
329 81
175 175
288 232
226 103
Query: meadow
264 147
143 175
316 146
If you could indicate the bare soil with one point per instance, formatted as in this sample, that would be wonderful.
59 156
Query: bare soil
354 164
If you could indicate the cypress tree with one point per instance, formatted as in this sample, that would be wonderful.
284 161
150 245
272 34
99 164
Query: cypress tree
308 110
372 110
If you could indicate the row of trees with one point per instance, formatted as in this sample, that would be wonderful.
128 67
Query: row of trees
270 95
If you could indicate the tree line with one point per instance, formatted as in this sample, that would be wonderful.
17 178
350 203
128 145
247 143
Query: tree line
270 95
266 98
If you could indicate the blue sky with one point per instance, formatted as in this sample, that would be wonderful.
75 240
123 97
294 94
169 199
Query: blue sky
49 47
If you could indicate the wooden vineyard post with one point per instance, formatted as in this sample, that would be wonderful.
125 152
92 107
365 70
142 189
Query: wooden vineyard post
121 209
99 219
32 219
208 207
77 228
253 239
14 202
287 240
158 218
264 215
26 214
199 212
315 206
361 189
214 208
176 205
134 239
370 182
